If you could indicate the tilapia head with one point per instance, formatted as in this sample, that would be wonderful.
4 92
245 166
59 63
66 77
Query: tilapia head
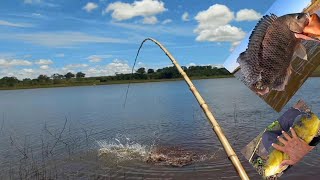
296 22
313 28
261 88
300 22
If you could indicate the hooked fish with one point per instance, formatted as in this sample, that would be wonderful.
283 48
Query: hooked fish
306 128
274 42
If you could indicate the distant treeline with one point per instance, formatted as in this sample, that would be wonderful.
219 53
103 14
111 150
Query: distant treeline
142 74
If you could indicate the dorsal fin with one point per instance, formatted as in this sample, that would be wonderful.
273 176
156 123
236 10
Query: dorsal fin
260 30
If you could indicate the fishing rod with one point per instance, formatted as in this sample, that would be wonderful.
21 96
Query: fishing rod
204 106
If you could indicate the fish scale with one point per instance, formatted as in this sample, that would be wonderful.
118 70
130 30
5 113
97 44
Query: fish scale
277 59
266 63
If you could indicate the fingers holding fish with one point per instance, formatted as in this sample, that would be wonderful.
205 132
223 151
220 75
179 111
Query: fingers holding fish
278 147
282 140
286 163
286 135
294 134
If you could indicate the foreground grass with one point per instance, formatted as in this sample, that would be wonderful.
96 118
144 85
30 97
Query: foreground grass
97 83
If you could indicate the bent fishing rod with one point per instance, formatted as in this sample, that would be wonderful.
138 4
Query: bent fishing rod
204 106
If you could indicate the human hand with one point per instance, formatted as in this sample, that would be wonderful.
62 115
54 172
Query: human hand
293 146
313 27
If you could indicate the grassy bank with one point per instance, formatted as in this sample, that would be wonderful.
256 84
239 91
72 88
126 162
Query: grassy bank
97 83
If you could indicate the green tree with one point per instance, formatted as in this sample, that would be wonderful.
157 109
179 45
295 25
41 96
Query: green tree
141 70
80 75
69 75
43 78
150 71
9 81
57 76
184 68
26 81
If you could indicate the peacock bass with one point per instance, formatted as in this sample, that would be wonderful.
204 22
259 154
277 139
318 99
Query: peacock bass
306 128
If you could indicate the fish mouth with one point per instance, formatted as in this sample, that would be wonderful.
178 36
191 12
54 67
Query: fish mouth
308 20
304 35
261 89
302 26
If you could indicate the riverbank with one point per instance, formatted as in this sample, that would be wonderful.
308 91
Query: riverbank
97 83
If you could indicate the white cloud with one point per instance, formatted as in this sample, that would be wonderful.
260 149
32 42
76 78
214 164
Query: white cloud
248 15
116 66
214 25
166 21
191 64
98 58
14 62
73 66
90 6
44 67
234 45
30 73
145 8
7 23
32 1
61 39
40 2
44 62
159 29
36 14
7 55
185 16
27 56
218 66
226 33
217 15
28 70
94 59
150 20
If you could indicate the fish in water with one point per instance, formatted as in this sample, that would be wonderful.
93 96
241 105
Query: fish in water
274 42
306 128
177 157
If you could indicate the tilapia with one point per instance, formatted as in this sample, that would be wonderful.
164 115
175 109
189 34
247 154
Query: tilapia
306 128
266 63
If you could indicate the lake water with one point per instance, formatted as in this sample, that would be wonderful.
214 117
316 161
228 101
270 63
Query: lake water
88 133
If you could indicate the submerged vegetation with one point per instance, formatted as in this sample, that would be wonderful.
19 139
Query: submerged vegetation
141 75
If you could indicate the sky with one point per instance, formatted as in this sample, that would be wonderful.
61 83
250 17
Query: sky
101 37
279 8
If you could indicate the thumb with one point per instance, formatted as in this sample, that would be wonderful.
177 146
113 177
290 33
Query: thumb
286 162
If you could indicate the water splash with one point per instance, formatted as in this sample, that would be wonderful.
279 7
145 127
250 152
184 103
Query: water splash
122 148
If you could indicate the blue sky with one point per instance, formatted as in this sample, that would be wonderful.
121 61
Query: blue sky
279 8
101 37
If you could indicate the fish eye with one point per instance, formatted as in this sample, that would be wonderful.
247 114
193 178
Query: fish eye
299 16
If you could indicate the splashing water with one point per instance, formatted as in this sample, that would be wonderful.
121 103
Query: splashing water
122 148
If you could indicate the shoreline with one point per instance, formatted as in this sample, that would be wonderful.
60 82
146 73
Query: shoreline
110 83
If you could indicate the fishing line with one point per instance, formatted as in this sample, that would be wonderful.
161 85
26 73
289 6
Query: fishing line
2 125
134 64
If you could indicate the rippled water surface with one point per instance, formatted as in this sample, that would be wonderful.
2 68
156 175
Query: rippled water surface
88 133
